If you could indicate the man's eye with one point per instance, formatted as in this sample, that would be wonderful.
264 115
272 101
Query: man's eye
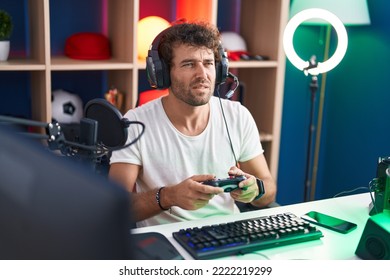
188 65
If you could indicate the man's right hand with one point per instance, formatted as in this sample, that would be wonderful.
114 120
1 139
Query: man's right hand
190 194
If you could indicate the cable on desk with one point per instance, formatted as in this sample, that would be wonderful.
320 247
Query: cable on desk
351 191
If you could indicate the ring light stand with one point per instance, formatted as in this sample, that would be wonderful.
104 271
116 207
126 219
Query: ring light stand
313 68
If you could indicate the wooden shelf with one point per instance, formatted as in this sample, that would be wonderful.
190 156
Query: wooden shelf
266 137
21 65
64 63
253 64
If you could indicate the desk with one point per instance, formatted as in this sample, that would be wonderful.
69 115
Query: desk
337 246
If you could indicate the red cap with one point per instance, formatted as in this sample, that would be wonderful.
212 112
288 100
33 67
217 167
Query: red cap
88 45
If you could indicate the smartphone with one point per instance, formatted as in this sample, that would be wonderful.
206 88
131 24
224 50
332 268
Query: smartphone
329 222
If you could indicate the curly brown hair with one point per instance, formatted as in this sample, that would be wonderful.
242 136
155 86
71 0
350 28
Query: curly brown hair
198 34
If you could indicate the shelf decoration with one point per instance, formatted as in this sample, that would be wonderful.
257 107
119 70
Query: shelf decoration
6 26
114 97
88 46
148 29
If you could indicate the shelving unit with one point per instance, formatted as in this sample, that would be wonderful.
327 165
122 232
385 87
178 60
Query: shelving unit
261 25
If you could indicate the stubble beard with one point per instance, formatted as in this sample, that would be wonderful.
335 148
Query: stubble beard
188 96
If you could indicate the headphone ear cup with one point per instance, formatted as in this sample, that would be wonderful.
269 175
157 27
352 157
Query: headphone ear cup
156 68
222 67
157 71
151 72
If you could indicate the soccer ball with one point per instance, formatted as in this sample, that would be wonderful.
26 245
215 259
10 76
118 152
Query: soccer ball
66 107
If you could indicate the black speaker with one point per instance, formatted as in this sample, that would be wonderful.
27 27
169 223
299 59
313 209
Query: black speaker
374 243
158 71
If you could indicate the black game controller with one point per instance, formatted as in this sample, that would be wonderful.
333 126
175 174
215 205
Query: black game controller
228 184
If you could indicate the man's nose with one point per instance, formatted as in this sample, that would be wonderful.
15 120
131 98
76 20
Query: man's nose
201 71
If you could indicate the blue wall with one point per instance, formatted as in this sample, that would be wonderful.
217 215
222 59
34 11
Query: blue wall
355 130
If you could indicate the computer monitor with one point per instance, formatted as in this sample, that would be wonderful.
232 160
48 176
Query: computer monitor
54 208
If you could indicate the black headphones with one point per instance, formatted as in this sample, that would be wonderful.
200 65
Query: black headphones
158 71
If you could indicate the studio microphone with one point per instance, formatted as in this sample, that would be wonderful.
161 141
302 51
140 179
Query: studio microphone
102 130
230 93
112 127
55 137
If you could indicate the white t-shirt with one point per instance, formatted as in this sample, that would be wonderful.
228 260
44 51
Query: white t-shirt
169 157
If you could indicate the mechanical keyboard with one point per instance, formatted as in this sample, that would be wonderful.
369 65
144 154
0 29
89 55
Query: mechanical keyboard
245 236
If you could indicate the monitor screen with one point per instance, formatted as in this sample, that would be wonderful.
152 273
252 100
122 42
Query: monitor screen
52 207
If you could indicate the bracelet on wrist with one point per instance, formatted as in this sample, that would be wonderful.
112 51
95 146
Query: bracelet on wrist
158 199
260 186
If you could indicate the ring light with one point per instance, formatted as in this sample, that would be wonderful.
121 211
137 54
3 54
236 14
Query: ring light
321 67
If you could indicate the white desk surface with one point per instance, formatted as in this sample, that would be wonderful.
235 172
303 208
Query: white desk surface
333 246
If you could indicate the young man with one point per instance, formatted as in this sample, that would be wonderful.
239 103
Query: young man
188 139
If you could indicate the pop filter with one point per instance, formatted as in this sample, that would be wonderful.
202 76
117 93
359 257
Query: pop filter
112 127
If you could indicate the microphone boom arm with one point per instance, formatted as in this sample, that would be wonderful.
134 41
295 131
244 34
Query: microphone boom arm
230 93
